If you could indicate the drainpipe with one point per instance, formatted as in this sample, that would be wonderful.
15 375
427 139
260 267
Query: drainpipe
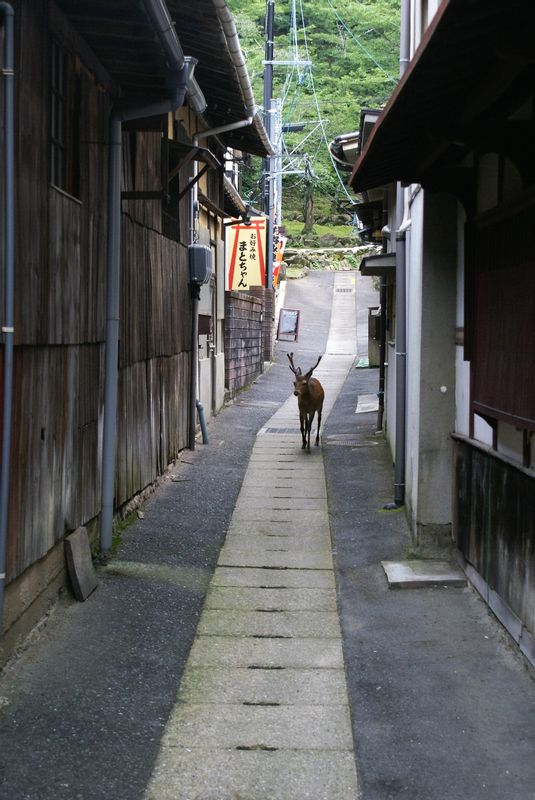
195 404
9 266
179 76
401 283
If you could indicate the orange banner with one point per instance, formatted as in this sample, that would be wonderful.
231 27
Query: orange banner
245 249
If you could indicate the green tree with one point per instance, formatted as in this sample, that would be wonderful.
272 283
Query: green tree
353 46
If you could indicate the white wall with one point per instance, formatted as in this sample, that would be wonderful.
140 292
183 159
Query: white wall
462 367
431 324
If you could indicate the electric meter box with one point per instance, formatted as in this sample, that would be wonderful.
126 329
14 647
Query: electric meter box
200 263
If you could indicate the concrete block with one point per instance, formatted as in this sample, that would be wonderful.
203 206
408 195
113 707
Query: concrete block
282 686
527 646
258 576
507 617
255 775
259 727
228 651
422 574
80 564
251 599
257 557
280 624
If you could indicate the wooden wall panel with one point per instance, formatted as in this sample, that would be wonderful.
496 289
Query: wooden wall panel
495 526
152 421
32 169
55 476
61 324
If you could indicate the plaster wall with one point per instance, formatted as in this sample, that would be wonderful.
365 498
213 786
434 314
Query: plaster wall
462 367
433 385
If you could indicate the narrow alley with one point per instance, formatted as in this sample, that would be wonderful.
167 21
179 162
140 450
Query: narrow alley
243 643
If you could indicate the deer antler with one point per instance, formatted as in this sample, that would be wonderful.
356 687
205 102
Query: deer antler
296 371
311 370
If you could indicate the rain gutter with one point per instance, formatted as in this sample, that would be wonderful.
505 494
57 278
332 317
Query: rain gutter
229 27
8 73
401 294
178 77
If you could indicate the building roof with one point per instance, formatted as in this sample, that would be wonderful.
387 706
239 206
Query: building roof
120 35
473 68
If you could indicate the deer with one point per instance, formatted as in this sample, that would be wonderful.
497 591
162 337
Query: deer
310 395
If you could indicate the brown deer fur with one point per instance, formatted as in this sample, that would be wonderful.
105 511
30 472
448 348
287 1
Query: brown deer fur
310 395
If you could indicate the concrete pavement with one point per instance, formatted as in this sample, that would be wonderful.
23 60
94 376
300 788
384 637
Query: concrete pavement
263 711
439 705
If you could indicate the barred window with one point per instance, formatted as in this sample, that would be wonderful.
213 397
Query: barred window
64 121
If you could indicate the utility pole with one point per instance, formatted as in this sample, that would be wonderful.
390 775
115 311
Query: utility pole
267 177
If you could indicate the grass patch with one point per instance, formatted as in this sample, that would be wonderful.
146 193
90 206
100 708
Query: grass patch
294 228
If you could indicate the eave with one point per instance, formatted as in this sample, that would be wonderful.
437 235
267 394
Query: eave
474 67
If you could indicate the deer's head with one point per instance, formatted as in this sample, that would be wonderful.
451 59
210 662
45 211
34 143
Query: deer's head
301 379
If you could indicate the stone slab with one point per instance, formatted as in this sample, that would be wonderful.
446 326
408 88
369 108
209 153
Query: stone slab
422 574
258 727
80 564
296 492
284 624
258 557
367 403
275 541
279 514
204 774
289 578
266 653
293 504
286 686
253 599
275 526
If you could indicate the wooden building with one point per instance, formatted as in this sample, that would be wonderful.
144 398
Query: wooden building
457 136
78 66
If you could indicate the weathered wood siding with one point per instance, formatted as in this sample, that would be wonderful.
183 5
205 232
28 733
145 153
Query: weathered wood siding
60 316
494 526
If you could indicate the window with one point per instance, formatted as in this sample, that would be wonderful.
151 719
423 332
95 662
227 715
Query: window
503 315
64 121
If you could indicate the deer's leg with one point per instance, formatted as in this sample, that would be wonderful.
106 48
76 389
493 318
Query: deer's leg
310 420
318 431
302 422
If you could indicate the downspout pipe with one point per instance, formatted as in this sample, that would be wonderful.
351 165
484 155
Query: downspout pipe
401 293
179 77
8 73
195 405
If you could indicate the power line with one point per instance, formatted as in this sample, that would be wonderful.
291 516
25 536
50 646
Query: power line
359 43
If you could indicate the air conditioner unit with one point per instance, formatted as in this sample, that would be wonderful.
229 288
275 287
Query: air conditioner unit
200 263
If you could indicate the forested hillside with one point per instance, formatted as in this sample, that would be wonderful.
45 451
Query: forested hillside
353 47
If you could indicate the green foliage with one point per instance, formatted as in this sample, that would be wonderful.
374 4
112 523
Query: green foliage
354 49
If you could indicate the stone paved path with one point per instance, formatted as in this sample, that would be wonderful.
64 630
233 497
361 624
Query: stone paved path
262 712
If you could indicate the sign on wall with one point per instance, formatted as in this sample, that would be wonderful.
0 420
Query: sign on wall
245 254
288 327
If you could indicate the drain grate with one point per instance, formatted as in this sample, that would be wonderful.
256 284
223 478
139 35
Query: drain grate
347 291
346 441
